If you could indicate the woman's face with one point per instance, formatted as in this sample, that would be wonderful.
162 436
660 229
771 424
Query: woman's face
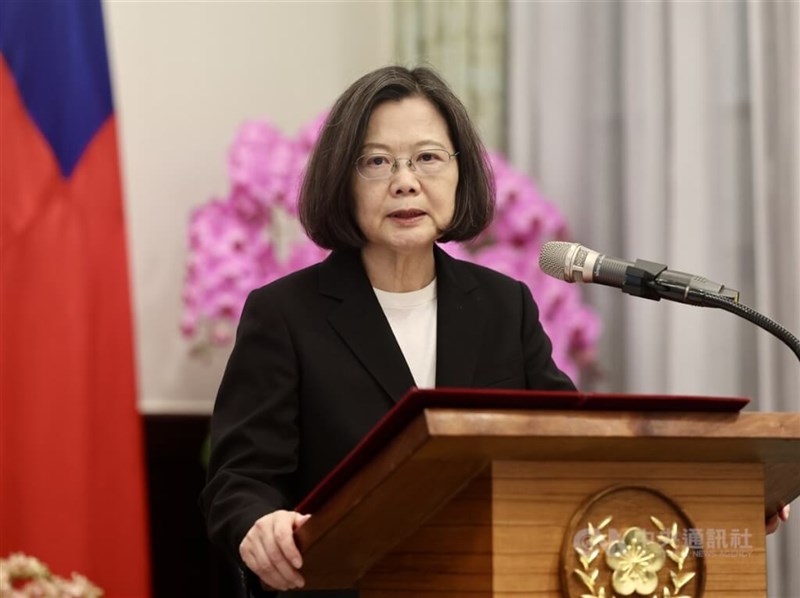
406 212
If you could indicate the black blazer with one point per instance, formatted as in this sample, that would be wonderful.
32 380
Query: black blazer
315 366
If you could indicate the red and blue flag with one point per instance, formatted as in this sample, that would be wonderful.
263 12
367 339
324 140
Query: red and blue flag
72 480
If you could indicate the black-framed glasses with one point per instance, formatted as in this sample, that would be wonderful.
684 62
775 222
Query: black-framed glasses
424 162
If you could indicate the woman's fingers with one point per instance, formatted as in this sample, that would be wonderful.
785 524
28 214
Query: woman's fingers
284 534
784 513
282 551
254 555
265 547
774 522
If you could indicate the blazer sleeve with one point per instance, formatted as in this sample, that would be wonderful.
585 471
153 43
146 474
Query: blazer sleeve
254 430
541 372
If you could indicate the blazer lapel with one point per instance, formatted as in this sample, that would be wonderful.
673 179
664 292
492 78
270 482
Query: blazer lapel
360 322
461 320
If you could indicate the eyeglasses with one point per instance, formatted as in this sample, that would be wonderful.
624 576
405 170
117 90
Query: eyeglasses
382 166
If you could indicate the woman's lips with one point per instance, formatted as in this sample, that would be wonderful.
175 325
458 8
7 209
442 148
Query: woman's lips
406 214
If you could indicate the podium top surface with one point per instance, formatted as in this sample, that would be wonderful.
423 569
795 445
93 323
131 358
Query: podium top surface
418 401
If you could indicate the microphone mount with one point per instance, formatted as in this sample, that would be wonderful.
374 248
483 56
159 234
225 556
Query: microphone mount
654 281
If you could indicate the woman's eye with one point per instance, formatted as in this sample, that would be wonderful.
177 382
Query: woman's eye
428 157
376 161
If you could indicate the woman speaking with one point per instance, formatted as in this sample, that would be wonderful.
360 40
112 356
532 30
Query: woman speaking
322 354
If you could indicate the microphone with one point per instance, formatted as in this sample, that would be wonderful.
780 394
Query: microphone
573 262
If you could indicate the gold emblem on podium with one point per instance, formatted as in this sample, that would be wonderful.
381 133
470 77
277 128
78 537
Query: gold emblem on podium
630 551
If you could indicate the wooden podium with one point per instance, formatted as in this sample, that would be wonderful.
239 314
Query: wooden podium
472 493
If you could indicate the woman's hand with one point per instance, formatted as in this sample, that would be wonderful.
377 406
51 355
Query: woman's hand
774 522
269 550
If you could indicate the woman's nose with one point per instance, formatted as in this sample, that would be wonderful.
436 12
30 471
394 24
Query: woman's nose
404 180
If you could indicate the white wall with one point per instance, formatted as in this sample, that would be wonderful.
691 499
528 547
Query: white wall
185 75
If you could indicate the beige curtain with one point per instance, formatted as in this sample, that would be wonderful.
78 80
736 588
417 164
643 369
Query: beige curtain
670 131
465 42
774 60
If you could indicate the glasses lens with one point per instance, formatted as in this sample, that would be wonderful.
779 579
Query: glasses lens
431 161
375 166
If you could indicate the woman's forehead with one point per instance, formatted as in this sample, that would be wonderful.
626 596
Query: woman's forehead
406 124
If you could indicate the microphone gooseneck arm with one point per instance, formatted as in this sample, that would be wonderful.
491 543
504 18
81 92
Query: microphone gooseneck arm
756 318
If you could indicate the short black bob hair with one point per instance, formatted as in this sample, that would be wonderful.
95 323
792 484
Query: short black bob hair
327 206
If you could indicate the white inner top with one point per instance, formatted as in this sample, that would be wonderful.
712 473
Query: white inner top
412 317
